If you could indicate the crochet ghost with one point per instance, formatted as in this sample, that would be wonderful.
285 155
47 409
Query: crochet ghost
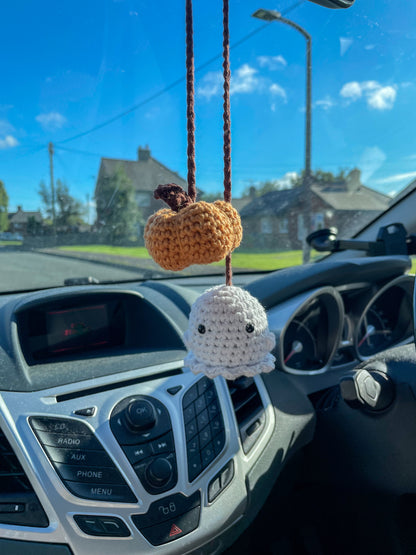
228 335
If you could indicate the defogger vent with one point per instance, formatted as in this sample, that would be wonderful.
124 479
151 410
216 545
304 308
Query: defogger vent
19 504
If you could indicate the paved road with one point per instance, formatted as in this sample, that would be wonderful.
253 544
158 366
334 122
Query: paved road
21 270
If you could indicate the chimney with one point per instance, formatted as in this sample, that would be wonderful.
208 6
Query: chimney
353 180
143 153
19 209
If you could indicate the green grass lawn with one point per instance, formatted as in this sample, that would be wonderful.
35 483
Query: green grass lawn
257 261
135 252
10 243
265 260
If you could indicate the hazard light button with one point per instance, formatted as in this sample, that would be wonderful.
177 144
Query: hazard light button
173 529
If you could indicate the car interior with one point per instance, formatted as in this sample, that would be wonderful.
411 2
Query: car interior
110 444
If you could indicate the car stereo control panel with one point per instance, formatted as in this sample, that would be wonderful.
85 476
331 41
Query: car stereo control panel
158 463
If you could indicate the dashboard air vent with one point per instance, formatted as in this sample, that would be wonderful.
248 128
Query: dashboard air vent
19 504
249 410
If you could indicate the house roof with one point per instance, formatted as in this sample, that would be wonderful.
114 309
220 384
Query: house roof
336 197
145 174
273 203
22 217
362 198
239 203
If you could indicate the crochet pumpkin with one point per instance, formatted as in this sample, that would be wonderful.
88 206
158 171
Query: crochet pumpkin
190 232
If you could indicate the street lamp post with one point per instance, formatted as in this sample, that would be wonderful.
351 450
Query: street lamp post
272 15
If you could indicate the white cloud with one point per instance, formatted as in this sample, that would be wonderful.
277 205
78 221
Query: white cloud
8 142
285 182
396 178
211 85
344 44
133 13
383 98
277 90
369 46
378 97
324 103
272 62
245 80
351 90
371 160
5 127
51 120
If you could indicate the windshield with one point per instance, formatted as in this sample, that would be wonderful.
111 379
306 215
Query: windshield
93 119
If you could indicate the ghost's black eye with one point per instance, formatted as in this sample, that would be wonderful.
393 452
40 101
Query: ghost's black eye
249 328
201 328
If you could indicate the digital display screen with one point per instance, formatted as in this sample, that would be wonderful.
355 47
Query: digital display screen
63 331
77 328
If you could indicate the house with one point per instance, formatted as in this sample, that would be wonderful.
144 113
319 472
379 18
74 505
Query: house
21 221
276 219
145 174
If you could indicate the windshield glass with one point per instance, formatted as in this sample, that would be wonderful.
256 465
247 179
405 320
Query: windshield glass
93 119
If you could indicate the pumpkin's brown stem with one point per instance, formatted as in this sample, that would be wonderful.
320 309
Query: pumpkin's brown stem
174 196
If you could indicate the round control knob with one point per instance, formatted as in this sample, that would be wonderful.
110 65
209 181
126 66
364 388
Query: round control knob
159 472
140 415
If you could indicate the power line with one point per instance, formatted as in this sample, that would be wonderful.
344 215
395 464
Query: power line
174 83
77 151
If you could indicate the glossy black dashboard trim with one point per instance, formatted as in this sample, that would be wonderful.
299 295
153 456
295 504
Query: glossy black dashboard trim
116 385
284 284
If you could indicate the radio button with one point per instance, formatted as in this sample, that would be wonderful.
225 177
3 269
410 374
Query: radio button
140 415
137 453
163 445
59 425
89 474
102 492
167 508
79 441
110 526
82 457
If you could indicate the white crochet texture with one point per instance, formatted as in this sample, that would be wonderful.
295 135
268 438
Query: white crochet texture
228 335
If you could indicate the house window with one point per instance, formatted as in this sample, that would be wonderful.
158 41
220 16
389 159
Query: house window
143 199
266 225
284 225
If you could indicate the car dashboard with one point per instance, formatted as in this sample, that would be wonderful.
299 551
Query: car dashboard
107 442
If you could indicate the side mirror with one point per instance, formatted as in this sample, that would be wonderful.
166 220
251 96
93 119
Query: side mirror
334 4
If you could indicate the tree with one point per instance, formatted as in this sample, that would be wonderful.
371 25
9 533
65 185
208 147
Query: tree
33 226
4 203
262 188
320 177
117 210
68 210
211 197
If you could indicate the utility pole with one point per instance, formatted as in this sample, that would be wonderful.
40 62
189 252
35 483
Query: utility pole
51 151
88 208
273 15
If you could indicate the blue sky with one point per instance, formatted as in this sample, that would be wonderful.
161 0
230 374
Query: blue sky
69 66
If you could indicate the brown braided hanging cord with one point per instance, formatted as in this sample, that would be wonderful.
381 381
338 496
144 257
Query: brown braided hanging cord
190 112
227 125
190 100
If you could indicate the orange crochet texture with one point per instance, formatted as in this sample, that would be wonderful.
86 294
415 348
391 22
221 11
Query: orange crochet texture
191 232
